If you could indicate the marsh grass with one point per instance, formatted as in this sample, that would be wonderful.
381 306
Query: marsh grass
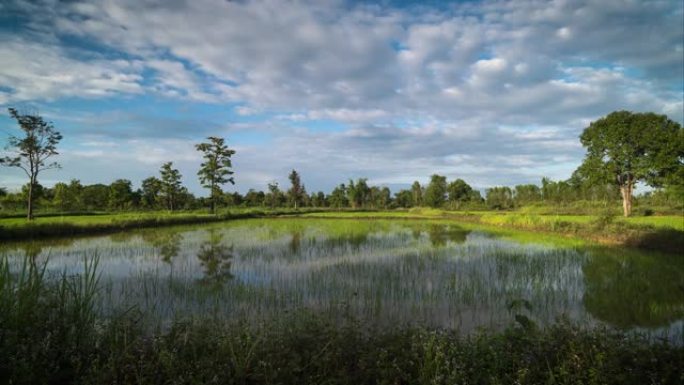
53 333
313 301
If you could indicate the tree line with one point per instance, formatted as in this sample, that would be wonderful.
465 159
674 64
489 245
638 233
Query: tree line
166 192
623 148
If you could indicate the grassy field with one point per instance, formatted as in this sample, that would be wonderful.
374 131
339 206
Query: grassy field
664 233
502 218
69 225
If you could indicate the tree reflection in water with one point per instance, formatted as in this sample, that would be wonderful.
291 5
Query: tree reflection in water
167 243
439 235
631 289
216 259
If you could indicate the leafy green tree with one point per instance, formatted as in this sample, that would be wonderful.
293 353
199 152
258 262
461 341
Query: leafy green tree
435 193
404 198
61 198
37 190
275 197
318 199
459 192
120 194
216 168
95 196
358 193
626 148
75 194
381 197
151 192
338 197
254 198
170 185
32 151
527 193
417 192
297 192
500 198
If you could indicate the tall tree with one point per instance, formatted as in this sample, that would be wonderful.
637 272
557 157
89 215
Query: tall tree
61 198
216 168
275 197
436 191
358 193
459 191
170 185
527 193
121 194
151 188
500 198
404 198
627 148
32 151
417 194
296 192
338 197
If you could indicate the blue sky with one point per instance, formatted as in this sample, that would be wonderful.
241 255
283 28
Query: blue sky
493 92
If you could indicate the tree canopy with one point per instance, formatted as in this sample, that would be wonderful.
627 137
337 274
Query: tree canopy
626 148
216 168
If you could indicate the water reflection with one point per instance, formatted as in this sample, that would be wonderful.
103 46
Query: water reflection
424 272
629 289
167 243
441 234
216 259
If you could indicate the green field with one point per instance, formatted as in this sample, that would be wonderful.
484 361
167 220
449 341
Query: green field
503 218
664 233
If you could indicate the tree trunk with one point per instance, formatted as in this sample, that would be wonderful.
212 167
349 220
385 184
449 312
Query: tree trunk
626 192
29 214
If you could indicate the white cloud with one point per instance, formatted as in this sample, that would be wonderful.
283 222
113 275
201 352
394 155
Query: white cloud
35 71
418 90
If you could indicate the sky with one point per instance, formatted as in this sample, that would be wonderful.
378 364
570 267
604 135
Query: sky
493 92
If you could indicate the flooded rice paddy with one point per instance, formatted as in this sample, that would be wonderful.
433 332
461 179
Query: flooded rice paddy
429 273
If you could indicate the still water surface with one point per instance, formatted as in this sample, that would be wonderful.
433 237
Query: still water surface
431 273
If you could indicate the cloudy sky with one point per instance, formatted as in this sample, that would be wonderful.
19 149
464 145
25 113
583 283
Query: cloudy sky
494 92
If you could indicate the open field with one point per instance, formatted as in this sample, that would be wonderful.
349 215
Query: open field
664 233
501 218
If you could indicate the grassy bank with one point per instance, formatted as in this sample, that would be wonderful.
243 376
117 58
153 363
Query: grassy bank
51 331
69 225
662 233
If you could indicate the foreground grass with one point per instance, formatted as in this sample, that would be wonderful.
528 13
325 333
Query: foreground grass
52 332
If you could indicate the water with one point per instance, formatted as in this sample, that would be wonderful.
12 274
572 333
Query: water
430 273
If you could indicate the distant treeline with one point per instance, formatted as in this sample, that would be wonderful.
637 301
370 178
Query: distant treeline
158 194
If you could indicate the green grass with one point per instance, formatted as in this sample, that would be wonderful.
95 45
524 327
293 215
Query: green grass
665 233
20 228
51 331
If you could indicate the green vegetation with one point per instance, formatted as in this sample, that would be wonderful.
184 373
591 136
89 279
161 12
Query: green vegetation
663 233
216 168
32 151
69 225
625 148
51 331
